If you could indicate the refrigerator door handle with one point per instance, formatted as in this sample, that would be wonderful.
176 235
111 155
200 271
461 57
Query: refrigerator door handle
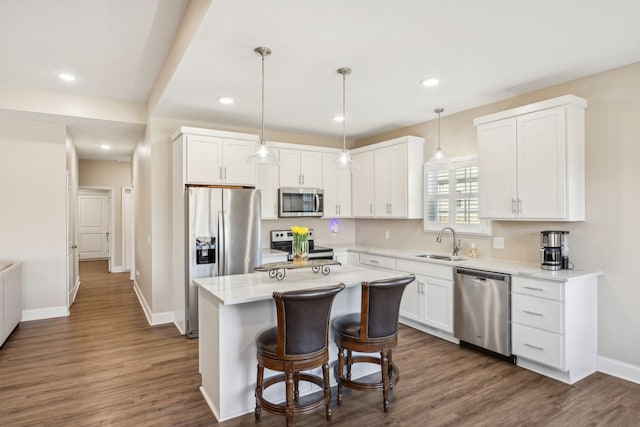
222 243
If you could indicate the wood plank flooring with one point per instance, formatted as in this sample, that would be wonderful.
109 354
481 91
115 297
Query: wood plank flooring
104 365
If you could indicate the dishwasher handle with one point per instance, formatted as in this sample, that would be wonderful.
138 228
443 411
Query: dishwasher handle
480 275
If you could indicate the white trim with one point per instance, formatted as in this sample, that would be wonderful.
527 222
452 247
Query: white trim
529 108
123 220
186 130
74 291
212 406
152 318
118 269
44 313
616 368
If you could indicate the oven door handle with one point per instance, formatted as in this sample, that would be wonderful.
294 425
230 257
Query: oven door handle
317 203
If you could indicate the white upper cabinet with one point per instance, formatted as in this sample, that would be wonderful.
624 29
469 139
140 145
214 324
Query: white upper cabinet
268 182
337 188
362 185
531 161
300 168
216 157
396 177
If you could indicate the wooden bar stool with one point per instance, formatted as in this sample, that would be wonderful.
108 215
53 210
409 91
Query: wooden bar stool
299 342
373 330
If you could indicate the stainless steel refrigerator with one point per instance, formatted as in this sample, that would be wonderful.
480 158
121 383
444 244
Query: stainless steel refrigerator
223 238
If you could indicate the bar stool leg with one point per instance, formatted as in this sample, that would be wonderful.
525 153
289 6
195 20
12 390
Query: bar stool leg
327 390
384 359
340 373
349 363
259 380
288 412
296 385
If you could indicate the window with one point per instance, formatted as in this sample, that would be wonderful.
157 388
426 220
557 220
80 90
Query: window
452 197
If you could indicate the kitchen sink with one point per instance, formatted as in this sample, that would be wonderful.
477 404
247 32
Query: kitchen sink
440 257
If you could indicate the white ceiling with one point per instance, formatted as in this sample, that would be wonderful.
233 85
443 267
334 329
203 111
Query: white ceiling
482 51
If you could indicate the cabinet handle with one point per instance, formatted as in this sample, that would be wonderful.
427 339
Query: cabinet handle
302 179
339 210
336 209
374 261
534 289
371 209
225 173
534 346
533 313
220 173
519 206
513 206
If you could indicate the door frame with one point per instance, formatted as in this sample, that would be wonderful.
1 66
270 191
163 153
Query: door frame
132 231
110 192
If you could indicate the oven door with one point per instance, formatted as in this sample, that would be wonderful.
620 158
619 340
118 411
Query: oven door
293 202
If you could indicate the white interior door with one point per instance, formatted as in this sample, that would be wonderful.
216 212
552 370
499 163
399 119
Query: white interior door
93 226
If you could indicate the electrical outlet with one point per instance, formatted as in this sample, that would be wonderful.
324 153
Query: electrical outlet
386 234
498 243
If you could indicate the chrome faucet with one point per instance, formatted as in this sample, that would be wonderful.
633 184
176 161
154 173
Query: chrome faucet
456 242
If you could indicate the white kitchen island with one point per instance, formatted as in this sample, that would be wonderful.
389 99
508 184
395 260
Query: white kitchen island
233 310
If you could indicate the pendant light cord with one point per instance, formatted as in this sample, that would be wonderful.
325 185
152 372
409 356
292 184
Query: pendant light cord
262 125
344 71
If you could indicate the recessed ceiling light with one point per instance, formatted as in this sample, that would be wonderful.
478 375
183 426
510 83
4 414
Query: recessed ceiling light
430 82
105 147
67 77
338 119
225 100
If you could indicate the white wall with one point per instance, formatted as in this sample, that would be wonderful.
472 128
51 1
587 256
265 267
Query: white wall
32 213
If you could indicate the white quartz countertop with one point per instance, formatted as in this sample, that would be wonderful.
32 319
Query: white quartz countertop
516 268
244 288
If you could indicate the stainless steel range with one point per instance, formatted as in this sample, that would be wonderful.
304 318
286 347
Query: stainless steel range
281 240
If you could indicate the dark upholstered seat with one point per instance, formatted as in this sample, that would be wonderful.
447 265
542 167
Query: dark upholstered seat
373 330
299 342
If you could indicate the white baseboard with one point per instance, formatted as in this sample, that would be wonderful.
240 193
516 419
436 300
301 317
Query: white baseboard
44 313
152 318
74 291
117 269
619 369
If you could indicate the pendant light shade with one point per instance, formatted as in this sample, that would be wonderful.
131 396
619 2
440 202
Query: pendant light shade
344 160
263 156
439 155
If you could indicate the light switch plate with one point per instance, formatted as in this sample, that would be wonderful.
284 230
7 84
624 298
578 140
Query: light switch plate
498 243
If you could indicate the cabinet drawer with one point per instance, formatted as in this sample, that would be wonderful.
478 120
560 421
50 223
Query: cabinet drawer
377 261
538 288
425 268
540 346
537 312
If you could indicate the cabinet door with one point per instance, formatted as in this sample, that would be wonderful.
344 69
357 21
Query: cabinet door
362 185
204 160
235 153
290 168
497 173
398 175
439 303
337 188
541 164
268 182
412 300
311 169
382 168
354 259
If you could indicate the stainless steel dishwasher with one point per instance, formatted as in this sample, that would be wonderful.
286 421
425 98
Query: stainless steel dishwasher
482 310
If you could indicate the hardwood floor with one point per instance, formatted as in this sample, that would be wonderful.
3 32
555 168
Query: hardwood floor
104 365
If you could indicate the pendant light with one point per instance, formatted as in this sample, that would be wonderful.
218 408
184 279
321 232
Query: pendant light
439 156
263 156
344 160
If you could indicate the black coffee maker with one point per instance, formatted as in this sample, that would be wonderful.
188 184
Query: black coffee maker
554 250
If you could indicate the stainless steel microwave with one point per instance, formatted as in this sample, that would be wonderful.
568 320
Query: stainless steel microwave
294 202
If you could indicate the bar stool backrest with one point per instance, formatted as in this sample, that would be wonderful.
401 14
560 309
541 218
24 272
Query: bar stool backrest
303 319
381 307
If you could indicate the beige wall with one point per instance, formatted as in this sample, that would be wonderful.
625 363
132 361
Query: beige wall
606 241
116 175
33 211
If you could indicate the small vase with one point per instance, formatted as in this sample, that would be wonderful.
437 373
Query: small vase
300 249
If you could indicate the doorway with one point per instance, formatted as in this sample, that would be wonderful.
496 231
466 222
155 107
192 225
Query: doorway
95 224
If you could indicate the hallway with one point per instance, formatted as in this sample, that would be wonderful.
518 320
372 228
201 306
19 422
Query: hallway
102 365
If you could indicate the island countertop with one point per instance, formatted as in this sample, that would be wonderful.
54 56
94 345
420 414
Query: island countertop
244 288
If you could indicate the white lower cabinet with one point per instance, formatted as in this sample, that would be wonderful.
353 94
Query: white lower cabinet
554 326
429 299
341 255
